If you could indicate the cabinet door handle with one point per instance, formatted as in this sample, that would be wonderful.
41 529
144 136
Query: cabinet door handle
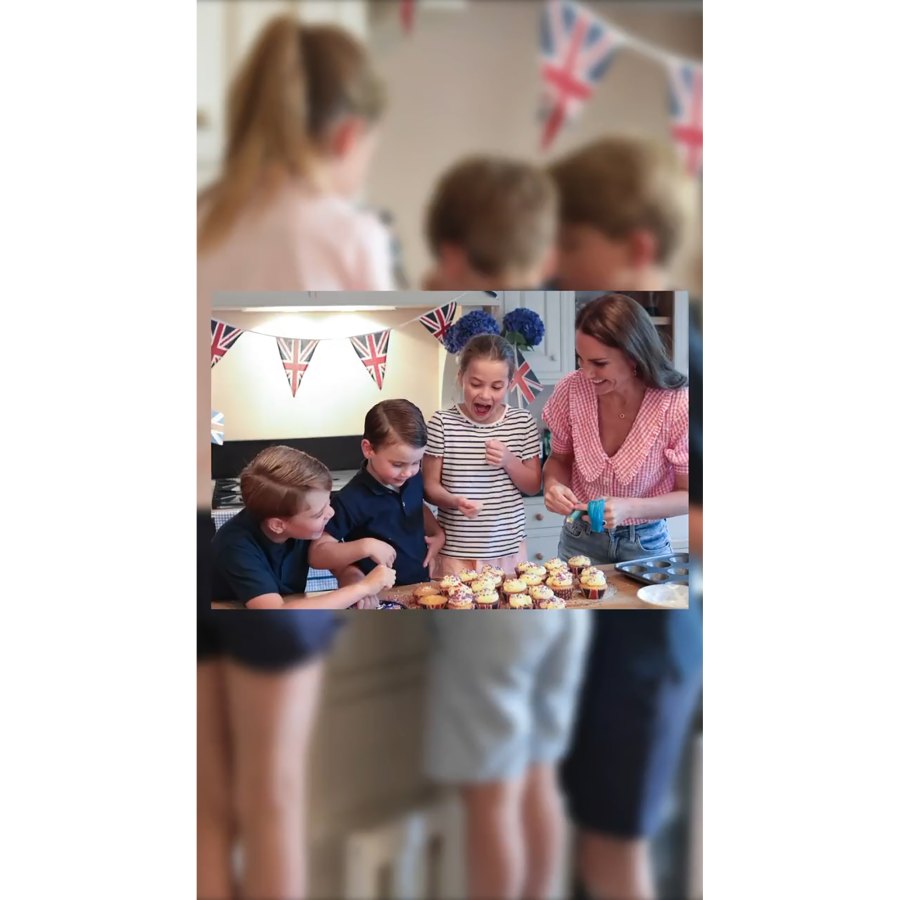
539 517
538 555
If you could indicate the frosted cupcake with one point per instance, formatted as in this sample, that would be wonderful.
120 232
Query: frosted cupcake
593 585
520 601
482 584
514 587
552 603
532 577
540 570
562 584
432 601
487 600
495 575
577 563
540 592
555 565
468 576
461 592
448 582
461 601
522 567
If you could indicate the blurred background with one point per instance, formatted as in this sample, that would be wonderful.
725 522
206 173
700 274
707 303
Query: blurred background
461 78
464 79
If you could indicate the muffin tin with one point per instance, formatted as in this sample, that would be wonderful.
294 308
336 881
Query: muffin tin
670 569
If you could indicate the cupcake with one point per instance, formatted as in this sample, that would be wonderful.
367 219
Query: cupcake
424 590
523 566
541 592
593 585
577 563
482 584
461 592
432 601
520 601
552 602
539 570
497 576
461 601
487 600
449 581
555 565
468 576
532 577
514 587
562 584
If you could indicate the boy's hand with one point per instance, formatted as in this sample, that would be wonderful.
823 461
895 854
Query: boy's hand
433 542
367 603
560 499
378 579
469 508
380 552
497 454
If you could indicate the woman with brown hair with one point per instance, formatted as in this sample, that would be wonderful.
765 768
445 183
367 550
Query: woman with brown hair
619 429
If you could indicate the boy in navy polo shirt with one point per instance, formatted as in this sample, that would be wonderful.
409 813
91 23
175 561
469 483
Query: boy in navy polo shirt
380 517
262 553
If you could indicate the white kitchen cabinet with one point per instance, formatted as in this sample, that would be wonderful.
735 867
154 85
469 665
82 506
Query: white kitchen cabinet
554 357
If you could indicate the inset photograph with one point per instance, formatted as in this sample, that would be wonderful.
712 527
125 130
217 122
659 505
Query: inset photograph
458 451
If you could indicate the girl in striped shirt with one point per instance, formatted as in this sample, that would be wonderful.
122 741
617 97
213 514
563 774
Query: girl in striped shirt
482 455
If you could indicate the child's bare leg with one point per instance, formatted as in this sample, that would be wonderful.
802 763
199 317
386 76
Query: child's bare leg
495 852
215 811
544 830
272 717
616 868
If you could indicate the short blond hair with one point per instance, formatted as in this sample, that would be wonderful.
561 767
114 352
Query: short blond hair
500 212
621 184
275 482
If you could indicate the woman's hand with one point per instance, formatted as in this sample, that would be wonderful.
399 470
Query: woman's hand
616 511
380 552
433 542
497 454
469 508
560 499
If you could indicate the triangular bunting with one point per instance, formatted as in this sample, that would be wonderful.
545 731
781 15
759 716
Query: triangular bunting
217 428
440 319
222 338
407 13
372 352
686 112
576 49
525 385
296 355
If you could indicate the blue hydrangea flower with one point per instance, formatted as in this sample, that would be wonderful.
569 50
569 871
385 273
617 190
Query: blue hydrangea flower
475 322
524 322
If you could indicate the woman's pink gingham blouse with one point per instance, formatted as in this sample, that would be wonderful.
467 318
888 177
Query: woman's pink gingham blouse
644 466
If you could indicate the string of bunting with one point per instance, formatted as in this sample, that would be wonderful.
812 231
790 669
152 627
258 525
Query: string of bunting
577 48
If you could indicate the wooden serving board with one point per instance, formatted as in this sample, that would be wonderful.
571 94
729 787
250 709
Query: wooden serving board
405 595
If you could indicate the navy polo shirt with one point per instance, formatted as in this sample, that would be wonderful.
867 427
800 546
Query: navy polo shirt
365 508
246 563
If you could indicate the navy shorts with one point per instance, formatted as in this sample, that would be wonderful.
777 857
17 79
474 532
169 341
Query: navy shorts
638 700
634 714
271 639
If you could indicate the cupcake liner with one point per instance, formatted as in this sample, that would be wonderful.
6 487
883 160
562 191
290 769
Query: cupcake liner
564 593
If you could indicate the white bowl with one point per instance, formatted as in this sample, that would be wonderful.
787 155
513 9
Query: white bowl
668 595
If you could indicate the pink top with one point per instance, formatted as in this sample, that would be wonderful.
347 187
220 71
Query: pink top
301 240
655 450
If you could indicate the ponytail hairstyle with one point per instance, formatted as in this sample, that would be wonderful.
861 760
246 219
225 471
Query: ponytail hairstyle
295 83
620 322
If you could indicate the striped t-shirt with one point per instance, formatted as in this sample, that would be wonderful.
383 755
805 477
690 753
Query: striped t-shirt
500 526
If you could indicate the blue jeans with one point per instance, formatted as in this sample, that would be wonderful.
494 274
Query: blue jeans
619 545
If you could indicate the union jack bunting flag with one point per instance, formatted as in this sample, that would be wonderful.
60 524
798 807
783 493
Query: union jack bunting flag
576 49
439 320
407 13
296 355
222 339
372 352
217 428
525 385
686 112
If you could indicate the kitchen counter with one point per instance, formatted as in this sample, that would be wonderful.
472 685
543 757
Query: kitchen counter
624 596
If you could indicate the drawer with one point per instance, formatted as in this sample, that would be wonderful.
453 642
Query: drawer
542 545
538 516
